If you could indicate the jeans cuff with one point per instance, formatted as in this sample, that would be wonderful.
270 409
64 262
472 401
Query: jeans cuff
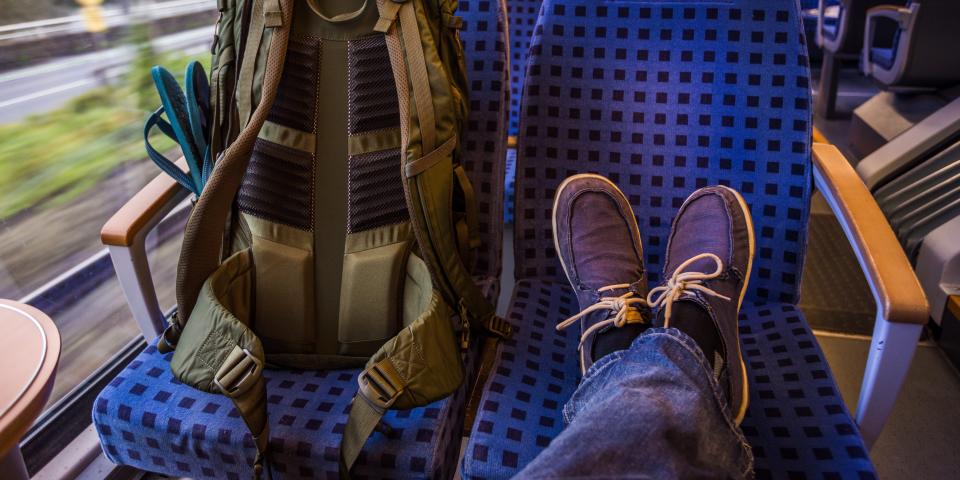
721 399
688 344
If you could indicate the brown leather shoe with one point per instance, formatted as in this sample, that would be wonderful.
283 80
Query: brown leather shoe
708 263
598 242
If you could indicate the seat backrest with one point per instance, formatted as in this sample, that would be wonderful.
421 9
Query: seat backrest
523 18
664 98
928 63
485 138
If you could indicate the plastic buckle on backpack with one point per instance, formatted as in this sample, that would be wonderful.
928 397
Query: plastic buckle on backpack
169 337
464 326
238 373
380 385
499 327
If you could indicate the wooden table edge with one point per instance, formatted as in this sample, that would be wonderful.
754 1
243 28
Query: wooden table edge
17 420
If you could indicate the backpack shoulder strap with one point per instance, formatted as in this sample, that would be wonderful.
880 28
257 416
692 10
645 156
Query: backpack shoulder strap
202 239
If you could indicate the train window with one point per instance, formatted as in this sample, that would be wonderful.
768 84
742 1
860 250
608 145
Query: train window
75 88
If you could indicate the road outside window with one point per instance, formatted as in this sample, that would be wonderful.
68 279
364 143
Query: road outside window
74 92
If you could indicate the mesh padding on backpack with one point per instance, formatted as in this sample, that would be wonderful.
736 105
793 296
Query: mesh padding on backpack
375 191
296 102
372 91
278 185
375 188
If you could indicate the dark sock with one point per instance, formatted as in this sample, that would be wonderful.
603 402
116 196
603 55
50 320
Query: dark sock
616 339
692 319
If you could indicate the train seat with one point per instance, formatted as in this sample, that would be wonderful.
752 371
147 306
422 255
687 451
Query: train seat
664 99
523 18
148 420
841 38
916 58
796 422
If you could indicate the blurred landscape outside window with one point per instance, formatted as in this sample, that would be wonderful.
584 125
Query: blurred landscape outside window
75 89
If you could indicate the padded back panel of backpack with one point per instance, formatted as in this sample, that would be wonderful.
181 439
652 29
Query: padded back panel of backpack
664 98
323 196
485 138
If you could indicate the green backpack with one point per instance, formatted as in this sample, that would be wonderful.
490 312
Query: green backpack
336 228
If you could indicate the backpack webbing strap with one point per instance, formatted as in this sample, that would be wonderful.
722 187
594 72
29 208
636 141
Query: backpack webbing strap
264 14
419 77
427 185
219 353
418 166
420 365
380 386
219 101
341 18
388 14
244 92
240 378
202 239
470 223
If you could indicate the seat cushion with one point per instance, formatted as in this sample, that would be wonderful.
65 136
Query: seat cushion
882 57
149 420
797 423
830 28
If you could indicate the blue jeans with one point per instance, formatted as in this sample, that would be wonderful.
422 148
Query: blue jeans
655 411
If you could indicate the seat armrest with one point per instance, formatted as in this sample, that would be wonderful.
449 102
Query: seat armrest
896 13
144 210
821 21
902 309
900 299
125 236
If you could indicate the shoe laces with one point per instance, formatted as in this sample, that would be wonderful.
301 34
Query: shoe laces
626 307
683 283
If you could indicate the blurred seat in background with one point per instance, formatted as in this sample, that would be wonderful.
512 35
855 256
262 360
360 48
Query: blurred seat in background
840 31
921 54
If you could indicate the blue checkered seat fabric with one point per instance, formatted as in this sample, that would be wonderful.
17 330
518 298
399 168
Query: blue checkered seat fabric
523 18
484 38
148 420
664 97
797 423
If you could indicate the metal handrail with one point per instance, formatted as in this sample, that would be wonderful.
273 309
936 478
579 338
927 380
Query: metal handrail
113 16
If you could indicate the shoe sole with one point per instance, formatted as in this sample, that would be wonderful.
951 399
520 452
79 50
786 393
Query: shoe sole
632 220
742 411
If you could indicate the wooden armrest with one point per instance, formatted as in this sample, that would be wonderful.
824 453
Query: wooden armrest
123 226
953 304
895 286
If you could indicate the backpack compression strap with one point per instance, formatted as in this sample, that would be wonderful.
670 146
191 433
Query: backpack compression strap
427 177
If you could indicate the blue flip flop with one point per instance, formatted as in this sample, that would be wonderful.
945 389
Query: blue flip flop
180 125
198 113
